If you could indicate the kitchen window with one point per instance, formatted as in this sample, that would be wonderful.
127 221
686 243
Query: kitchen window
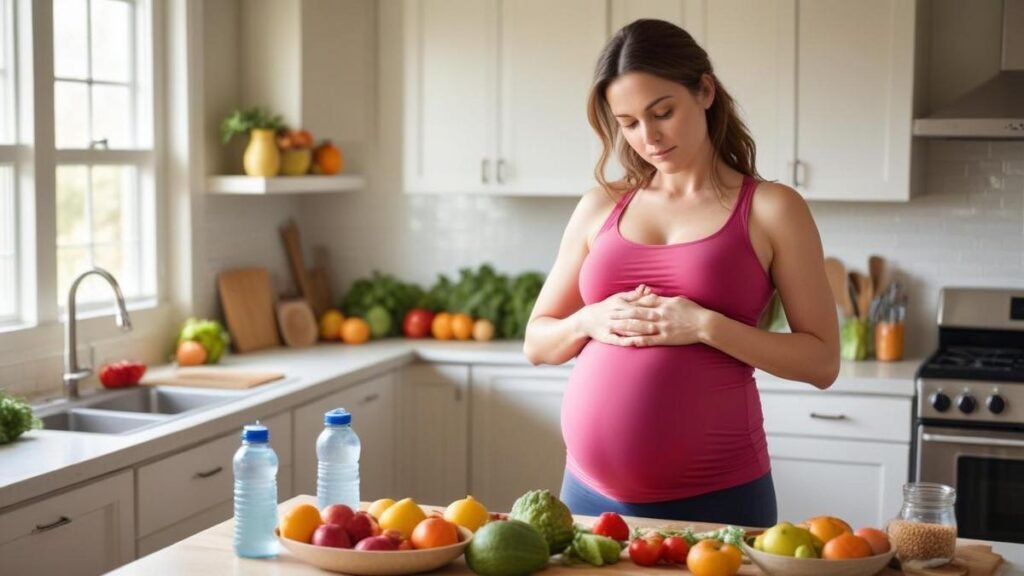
103 133
9 261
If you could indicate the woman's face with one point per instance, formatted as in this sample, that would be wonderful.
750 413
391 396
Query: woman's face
660 119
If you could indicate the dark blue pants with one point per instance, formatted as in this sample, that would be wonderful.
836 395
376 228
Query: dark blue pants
751 504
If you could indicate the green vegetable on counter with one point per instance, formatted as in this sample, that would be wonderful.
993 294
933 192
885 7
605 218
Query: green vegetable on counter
386 291
593 549
549 515
209 334
15 418
728 534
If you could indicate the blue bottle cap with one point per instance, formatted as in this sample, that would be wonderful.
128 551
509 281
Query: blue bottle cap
255 433
337 416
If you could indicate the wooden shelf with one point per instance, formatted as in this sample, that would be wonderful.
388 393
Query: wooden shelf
284 184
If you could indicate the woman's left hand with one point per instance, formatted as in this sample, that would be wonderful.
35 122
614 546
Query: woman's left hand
677 320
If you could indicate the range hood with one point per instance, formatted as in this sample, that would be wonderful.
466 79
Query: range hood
996 108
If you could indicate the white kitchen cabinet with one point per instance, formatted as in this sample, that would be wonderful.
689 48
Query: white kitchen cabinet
433 428
86 530
192 490
495 95
372 405
516 437
689 15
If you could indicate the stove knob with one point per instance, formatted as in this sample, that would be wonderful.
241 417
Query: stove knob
966 403
996 404
940 401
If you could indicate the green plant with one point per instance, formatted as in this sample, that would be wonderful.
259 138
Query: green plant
241 121
15 418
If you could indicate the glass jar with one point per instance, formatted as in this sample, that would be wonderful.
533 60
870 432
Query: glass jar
924 532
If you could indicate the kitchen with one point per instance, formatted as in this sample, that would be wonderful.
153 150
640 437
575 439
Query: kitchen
434 415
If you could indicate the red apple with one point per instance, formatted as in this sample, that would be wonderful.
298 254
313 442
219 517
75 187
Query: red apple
393 535
362 526
339 514
406 545
376 543
331 535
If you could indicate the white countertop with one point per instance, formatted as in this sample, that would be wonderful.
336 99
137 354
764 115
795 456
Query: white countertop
43 460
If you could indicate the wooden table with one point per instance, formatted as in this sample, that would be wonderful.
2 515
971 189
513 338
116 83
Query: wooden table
212 552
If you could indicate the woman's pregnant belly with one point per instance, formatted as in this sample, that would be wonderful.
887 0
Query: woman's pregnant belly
662 423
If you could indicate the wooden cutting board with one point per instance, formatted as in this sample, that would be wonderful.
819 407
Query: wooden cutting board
248 302
200 377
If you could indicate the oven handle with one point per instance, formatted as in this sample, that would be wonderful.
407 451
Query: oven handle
971 440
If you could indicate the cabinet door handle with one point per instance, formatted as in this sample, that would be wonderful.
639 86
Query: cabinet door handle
46 527
369 398
828 416
485 169
798 174
501 171
209 473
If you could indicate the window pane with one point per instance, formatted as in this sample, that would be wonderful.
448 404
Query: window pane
72 110
70 263
111 40
8 257
6 76
109 186
70 43
72 190
111 119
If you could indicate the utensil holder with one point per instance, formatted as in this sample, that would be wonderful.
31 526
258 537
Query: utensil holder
853 339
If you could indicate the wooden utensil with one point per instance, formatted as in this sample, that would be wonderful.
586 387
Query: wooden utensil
320 297
864 292
203 377
878 269
293 248
836 273
298 326
248 302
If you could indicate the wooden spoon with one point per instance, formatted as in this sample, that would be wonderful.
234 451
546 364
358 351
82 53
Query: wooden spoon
836 273
878 268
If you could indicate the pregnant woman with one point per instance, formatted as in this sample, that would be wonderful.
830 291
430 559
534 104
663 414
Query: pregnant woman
657 289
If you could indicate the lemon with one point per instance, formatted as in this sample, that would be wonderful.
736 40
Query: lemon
379 506
330 325
403 516
468 513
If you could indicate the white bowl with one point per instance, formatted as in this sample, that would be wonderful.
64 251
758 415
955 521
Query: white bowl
378 563
778 565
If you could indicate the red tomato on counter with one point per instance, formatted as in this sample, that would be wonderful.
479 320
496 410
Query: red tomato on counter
611 525
675 549
645 551
416 323
121 374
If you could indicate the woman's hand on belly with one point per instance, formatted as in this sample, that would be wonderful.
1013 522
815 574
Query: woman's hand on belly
605 321
665 321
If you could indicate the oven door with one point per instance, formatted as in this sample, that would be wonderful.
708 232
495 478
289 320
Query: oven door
987 469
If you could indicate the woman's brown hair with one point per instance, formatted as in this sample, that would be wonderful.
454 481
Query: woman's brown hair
665 50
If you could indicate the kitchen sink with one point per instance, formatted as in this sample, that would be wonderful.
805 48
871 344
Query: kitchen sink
98 421
155 400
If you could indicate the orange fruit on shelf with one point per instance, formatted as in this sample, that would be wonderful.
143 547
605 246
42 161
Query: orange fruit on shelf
878 540
190 353
355 331
826 527
846 546
327 159
330 325
300 522
441 326
434 533
462 326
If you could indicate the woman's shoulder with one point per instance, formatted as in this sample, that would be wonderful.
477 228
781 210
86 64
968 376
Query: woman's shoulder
775 202
593 209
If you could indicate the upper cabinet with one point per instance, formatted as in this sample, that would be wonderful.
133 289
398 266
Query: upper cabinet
496 93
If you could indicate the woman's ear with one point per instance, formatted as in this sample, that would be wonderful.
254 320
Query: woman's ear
706 95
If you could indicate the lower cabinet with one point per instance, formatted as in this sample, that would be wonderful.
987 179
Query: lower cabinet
372 405
515 432
87 530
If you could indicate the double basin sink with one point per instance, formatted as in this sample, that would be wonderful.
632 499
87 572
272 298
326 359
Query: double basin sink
129 410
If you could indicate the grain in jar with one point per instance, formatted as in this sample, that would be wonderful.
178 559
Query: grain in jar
924 533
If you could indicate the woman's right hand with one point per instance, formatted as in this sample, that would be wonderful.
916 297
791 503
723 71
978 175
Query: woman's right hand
600 322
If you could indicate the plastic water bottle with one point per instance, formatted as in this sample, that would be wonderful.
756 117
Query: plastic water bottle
337 450
255 467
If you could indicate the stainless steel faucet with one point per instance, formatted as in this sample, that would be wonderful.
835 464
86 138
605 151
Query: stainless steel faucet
73 374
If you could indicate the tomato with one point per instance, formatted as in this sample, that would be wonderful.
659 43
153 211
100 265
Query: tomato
122 373
713 558
611 525
417 323
675 549
645 551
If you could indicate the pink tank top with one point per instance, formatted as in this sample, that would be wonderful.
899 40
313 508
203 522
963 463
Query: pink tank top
669 422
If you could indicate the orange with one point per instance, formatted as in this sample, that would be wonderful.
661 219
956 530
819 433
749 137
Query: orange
846 546
190 353
441 326
826 527
355 331
877 539
713 558
434 533
300 522
462 326
327 159
330 325
483 330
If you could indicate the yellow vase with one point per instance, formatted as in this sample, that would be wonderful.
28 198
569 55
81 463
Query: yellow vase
261 155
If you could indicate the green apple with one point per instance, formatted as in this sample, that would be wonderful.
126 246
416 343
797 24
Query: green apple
805 551
784 538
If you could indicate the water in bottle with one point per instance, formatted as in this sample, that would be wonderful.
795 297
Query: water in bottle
337 451
255 467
